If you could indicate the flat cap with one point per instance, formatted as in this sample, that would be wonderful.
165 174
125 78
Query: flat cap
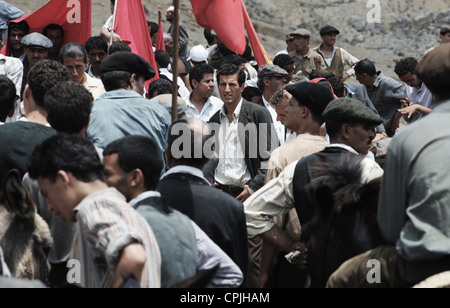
127 62
271 71
312 95
352 110
301 32
329 29
36 40
445 29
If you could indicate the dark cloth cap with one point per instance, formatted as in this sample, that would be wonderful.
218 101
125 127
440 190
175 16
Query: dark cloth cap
36 40
348 109
329 29
127 62
312 95
271 71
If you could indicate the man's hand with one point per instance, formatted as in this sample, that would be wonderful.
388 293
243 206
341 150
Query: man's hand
244 195
131 264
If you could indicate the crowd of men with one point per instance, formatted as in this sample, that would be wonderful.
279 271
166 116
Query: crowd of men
136 197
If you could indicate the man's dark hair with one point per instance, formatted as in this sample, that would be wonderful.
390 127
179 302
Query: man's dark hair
233 59
250 92
209 36
197 146
138 152
159 87
230 70
199 72
334 128
21 26
162 58
51 27
72 154
153 27
366 67
73 50
116 80
405 66
68 106
7 96
96 42
283 60
118 47
43 76
113 2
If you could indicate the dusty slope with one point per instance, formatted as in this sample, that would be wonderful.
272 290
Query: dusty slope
406 28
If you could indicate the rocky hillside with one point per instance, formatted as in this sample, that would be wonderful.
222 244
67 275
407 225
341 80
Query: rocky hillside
406 28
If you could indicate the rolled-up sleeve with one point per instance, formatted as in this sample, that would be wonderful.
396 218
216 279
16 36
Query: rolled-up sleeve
274 199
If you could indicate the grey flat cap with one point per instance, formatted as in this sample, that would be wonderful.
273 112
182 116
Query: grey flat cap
36 40
271 71
301 32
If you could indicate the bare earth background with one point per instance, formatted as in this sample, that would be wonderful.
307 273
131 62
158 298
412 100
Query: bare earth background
407 28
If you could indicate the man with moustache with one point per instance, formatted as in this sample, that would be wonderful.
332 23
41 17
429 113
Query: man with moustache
306 60
351 127
97 50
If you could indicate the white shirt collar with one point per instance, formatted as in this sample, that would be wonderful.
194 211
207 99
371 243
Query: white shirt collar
186 169
143 196
236 112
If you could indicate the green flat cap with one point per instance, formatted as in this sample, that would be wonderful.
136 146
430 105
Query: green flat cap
348 109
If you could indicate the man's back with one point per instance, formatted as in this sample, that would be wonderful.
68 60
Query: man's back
417 183
219 215
17 142
118 114
176 240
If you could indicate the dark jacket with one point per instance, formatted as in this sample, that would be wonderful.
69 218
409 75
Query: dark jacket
256 150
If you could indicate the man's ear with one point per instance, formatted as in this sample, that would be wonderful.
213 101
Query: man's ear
64 177
136 178
194 83
346 130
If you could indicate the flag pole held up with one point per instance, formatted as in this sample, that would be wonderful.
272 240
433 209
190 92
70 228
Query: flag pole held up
176 42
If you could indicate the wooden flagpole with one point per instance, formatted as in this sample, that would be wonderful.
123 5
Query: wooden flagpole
113 24
176 42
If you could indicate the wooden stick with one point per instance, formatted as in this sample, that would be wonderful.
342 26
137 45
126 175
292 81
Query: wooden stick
176 42
114 23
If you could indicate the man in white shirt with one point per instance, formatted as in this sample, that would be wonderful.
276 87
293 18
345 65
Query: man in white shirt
419 100
270 79
200 104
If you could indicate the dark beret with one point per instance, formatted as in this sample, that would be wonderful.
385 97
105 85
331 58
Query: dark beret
329 29
127 62
312 95
351 110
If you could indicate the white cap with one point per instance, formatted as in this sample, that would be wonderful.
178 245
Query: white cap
198 54
171 9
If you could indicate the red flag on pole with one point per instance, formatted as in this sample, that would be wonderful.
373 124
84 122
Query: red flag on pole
74 16
160 45
258 49
225 18
131 26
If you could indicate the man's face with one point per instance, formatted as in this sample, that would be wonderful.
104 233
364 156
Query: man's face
361 136
35 55
96 57
57 39
290 44
364 79
168 42
76 67
205 87
169 16
294 114
445 38
60 200
290 70
329 39
139 85
281 109
276 82
229 89
301 42
410 79
115 176
15 39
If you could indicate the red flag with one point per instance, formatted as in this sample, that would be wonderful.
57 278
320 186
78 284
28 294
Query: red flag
160 45
225 18
258 49
131 26
74 16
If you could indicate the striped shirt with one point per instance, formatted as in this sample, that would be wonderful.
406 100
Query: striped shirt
105 225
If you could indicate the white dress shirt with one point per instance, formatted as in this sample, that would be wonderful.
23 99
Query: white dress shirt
212 105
